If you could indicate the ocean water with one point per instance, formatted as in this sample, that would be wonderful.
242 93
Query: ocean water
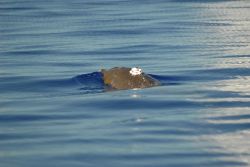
55 111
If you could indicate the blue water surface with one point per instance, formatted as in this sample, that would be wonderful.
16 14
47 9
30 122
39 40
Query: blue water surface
55 110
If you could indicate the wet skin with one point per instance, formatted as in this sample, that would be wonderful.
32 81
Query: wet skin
121 78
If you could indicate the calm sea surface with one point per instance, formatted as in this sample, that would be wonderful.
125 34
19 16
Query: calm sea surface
54 111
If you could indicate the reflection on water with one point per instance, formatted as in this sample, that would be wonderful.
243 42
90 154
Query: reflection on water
238 85
235 40
236 139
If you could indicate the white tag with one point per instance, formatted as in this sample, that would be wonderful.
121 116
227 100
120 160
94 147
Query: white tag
135 71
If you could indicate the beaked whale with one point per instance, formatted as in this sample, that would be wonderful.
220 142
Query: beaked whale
128 78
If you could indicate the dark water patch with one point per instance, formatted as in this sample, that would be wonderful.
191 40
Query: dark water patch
217 128
30 52
149 157
195 24
154 140
136 48
90 80
230 127
173 135
212 163
42 64
21 137
127 104
188 128
34 46
59 83
132 50
167 132
171 80
139 46
106 3
104 33
28 118
235 56
219 73
9 79
19 8
112 52
142 104
157 123
135 57
37 13
227 71
21 84
69 64
111 141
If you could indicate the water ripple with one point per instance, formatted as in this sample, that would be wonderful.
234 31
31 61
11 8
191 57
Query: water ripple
55 110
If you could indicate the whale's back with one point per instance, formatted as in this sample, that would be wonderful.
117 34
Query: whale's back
120 78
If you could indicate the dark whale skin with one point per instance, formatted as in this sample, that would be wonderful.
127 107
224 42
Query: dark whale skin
120 78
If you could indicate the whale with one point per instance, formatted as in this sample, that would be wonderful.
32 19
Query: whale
127 78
